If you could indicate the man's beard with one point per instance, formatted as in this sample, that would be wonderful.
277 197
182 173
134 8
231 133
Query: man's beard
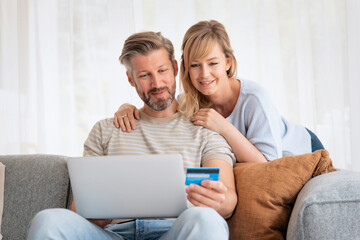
161 103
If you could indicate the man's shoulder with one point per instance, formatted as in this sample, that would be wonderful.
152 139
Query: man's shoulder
182 117
106 123
203 131
185 120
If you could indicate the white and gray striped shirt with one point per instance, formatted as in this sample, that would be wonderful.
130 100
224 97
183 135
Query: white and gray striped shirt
174 134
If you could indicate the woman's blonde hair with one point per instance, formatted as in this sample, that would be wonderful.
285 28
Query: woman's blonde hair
198 41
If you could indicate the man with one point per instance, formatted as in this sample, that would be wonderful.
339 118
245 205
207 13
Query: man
151 69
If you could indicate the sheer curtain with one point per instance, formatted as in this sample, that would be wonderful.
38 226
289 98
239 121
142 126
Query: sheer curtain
59 69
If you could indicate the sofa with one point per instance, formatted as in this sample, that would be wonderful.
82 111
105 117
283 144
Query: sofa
326 206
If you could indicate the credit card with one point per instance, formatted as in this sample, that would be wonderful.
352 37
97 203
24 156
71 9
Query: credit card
196 175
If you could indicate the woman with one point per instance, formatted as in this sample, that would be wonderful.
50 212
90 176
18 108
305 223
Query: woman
240 110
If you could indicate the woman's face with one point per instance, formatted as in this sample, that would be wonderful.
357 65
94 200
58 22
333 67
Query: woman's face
208 74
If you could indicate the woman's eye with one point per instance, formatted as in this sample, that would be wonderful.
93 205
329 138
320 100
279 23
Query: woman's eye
194 65
213 63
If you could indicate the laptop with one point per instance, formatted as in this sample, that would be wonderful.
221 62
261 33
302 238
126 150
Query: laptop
128 186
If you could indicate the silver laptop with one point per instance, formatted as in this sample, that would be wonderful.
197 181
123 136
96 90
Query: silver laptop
128 186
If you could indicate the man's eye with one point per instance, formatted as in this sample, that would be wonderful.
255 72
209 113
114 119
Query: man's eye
162 70
143 75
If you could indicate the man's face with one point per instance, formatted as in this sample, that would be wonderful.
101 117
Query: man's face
153 76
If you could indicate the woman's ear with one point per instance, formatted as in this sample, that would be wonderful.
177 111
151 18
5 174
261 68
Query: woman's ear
228 63
130 79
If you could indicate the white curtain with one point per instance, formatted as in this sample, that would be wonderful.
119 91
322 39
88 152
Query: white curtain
59 69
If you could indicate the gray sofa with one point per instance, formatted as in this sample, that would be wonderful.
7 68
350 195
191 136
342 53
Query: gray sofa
328 206
32 183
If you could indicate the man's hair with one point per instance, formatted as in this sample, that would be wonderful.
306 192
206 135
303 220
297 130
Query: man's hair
142 44
198 42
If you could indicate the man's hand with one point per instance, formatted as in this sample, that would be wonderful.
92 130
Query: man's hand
210 194
219 195
100 222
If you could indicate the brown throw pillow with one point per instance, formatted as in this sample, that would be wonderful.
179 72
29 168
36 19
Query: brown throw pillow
267 193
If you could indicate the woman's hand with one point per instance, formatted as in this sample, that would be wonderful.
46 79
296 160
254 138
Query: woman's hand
210 194
125 117
243 149
209 118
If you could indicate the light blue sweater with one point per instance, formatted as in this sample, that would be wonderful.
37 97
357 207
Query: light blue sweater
258 120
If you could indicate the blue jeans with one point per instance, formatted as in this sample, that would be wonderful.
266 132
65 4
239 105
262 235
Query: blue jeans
193 223
315 142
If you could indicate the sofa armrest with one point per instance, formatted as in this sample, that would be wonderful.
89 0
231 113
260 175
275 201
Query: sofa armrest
32 183
328 207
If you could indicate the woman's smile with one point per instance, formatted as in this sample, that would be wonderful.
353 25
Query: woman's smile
206 83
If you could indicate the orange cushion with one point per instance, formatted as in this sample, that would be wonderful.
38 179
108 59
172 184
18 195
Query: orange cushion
267 193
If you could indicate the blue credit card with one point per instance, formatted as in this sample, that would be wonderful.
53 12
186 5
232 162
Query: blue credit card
196 175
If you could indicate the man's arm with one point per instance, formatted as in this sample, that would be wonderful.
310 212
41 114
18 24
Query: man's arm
219 195
93 147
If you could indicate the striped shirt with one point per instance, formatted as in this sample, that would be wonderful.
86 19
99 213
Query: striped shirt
174 134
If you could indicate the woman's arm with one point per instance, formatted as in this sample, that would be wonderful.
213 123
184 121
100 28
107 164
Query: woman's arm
244 150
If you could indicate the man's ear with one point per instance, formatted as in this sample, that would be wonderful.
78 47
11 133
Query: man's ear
176 69
130 79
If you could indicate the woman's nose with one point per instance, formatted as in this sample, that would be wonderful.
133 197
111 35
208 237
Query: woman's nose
204 71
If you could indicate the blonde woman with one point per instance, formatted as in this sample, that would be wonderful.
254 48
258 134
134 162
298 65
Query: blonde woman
238 109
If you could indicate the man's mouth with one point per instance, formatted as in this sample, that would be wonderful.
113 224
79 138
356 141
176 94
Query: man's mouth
158 92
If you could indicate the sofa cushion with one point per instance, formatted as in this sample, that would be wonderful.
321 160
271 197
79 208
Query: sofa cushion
2 178
326 201
32 183
267 192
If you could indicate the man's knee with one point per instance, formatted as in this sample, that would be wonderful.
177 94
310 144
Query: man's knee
199 223
48 222
206 217
200 213
54 215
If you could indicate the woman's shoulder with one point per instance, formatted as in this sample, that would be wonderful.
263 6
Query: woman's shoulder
251 87
253 92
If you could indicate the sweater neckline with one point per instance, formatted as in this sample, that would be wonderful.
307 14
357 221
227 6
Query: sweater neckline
148 118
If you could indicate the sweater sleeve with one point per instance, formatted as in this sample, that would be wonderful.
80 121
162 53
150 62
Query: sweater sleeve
217 148
263 124
93 145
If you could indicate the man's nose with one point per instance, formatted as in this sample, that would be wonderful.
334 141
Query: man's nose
155 81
